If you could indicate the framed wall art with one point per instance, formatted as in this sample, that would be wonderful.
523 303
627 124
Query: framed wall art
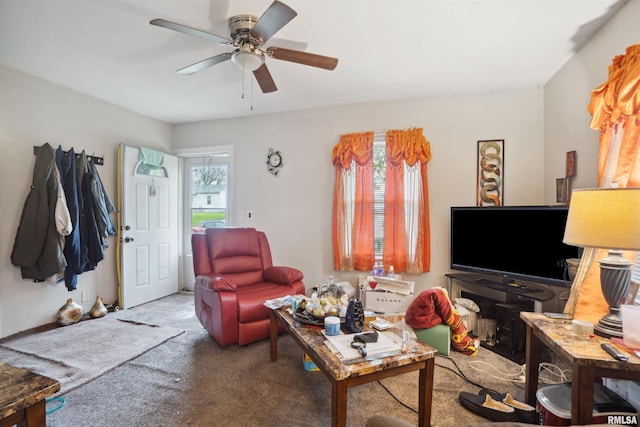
490 186
562 190
571 164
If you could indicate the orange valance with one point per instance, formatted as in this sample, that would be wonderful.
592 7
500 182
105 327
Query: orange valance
615 110
408 145
356 147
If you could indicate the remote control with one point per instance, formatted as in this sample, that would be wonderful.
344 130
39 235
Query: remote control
614 352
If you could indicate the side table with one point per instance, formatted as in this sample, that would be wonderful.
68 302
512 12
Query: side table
588 360
23 396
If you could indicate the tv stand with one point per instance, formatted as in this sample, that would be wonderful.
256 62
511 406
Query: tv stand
489 282
508 290
502 301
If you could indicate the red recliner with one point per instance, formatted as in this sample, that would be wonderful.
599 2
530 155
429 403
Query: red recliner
234 277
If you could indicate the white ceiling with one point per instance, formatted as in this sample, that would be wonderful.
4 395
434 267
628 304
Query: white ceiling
387 49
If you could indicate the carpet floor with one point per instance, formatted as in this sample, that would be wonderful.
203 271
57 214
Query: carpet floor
79 353
190 380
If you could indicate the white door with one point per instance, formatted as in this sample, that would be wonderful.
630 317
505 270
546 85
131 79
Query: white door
148 230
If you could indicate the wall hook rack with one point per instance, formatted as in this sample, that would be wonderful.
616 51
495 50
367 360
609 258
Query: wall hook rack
92 158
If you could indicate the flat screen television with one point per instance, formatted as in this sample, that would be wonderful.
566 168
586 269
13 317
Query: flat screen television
512 242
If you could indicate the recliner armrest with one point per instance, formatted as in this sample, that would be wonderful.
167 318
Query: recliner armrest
282 275
216 282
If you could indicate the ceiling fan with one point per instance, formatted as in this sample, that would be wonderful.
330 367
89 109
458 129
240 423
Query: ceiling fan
248 34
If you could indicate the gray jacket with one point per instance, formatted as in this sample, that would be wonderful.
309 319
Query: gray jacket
37 248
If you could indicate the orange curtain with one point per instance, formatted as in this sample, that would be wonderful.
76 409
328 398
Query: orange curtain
412 149
406 222
615 110
358 253
395 235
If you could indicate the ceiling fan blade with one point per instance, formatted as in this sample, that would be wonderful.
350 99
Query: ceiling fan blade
303 58
286 43
199 66
272 21
264 79
191 31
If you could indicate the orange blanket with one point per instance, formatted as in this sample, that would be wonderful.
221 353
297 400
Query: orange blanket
433 307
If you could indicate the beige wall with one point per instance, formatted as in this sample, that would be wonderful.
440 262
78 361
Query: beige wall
567 94
538 125
294 209
32 112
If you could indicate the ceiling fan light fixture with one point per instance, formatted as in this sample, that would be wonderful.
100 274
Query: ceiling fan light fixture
248 36
249 60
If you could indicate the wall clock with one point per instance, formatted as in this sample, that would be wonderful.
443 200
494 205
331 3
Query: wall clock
274 161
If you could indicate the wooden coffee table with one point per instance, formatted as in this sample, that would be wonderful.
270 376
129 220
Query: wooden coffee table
23 396
342 376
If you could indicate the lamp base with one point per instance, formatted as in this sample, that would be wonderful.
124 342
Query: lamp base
615 279
610 325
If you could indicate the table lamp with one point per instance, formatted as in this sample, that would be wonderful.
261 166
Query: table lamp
607 218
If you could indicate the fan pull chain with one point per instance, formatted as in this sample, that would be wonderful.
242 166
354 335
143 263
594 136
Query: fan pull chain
252 85
243 73
244 83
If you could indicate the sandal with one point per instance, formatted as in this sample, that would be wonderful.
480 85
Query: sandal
526 413
485 406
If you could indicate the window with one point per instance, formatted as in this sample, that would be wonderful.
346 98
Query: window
208 178
381 206
379 159
207 189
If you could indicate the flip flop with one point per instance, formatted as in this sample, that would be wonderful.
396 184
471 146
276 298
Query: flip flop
526 413
485 406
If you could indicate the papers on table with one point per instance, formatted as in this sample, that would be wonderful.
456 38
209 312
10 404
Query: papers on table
340 345
278 302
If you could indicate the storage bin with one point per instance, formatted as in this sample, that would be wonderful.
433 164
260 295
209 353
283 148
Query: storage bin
554 406
631 325
387 302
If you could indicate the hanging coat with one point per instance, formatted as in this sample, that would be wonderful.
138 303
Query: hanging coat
95 252
96 208
38 248
81 169
66 163
103 206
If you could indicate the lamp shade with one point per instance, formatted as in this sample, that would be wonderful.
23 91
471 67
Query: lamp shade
248 60
607 218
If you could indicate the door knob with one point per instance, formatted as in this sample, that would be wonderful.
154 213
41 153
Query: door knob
128 239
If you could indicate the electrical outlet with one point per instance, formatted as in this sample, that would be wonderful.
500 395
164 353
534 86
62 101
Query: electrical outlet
249 215
84 297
